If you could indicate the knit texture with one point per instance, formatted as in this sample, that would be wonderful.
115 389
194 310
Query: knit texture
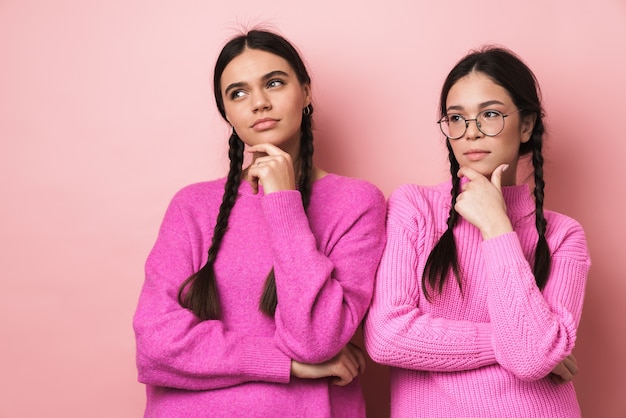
239 366
485 351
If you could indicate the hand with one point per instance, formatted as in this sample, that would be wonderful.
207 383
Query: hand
342 368
481 202
272 168
565 371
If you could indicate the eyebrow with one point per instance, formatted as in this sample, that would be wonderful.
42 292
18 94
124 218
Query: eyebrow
481 105
266 77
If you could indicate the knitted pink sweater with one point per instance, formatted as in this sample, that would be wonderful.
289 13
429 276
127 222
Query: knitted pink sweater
239 366
486 352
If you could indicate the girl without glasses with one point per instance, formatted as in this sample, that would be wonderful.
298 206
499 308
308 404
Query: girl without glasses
257 282
479 292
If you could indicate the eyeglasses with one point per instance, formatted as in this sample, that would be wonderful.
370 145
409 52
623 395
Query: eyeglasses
489 122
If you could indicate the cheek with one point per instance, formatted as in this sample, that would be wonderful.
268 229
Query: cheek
298 101
232 116
293 109
515 131
455 150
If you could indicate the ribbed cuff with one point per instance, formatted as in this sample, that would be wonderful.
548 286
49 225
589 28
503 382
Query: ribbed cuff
503 250
486 354
268 363
285 214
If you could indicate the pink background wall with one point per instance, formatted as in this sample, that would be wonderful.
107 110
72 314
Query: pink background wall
106 110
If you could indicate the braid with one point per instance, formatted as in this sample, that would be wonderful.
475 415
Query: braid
306 158
202 298
269 298
541 268
443 256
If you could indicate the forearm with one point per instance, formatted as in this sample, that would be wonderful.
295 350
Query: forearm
398 333
401 336
533 330
323 288
176 350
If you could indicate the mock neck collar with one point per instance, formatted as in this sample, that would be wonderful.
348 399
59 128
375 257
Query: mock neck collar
519 201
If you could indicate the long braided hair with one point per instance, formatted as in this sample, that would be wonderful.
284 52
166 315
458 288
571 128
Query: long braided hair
198 293
506 69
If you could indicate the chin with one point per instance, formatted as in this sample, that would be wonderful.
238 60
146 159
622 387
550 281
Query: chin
480 168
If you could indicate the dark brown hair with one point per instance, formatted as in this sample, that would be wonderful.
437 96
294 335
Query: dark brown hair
199 292
506 69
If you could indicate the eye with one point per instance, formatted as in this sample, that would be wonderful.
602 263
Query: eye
275 83
491 114
454 118
236 94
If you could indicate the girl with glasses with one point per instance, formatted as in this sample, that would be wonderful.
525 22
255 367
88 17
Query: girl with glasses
258 281
479 292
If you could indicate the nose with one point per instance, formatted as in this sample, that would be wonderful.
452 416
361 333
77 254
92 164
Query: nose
260 101
472 130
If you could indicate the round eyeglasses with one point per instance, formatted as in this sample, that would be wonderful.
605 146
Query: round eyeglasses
489 122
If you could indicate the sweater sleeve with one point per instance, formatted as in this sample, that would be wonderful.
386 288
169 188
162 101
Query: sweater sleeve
323 288
533 330
176 349
397 332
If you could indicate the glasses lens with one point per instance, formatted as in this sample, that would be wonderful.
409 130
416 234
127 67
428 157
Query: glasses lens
491 122
452 126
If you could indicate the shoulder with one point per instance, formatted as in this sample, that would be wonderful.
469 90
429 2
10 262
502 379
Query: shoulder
336 188
415 192
202 193
560 224
197 200
339 203
200 190
565 235
411 198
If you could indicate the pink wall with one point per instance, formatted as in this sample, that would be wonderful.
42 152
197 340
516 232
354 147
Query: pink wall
106 110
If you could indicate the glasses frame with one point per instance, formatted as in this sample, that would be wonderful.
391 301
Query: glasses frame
475 120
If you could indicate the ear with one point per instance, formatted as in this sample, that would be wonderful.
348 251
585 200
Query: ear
307 95
527 124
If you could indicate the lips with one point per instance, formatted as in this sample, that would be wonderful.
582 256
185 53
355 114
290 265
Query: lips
264 124
476 154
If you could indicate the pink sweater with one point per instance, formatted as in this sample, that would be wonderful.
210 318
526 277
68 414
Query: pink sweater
486 352
239 366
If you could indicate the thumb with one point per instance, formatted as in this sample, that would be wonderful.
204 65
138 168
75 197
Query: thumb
496 176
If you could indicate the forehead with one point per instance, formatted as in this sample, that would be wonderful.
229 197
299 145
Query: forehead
474 89
252 65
